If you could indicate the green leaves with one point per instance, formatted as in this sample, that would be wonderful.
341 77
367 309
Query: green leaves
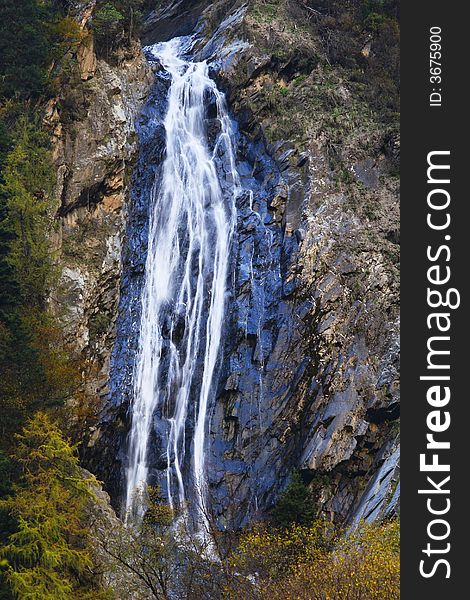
27 190
24 48
115 24
27 270
33 34
107 21
47 553
295 505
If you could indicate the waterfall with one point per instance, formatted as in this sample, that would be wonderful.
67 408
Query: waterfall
192 221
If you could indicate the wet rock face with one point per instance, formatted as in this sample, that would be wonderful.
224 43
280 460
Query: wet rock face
309 370
109 454
326 348
182 17
176 18
260 261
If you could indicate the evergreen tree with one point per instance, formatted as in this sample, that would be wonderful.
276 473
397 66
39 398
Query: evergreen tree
26 274
37 43
47 554
24 48
295 504
117 23
26 190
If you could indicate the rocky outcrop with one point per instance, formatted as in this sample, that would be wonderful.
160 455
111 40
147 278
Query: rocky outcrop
309 376
337 351
106 533
93 127
172 19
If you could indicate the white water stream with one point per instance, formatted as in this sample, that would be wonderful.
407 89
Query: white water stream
183 299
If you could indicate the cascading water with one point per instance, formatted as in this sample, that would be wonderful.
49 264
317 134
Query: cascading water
192 221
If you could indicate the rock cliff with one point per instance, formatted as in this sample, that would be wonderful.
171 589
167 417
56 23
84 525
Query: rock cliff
309 376
95 144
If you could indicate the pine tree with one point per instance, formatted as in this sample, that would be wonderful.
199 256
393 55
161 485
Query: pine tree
27 188
295 504
26 272
24 48
47 553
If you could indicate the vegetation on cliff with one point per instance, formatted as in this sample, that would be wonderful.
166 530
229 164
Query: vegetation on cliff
116 23
41 490
333 76
38 44
315 561
36 37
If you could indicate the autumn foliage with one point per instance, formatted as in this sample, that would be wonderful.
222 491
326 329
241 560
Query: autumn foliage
319 563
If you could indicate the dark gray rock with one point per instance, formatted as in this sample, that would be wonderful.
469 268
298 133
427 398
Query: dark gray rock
308 375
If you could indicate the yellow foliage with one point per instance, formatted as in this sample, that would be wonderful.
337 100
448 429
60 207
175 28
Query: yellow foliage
317 563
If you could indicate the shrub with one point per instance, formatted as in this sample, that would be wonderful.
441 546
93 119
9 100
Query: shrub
107 22
116 24
318 563
295 504
365 565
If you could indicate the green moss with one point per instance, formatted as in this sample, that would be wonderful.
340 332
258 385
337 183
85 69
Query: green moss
299 80
265 10
99 324
344 176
